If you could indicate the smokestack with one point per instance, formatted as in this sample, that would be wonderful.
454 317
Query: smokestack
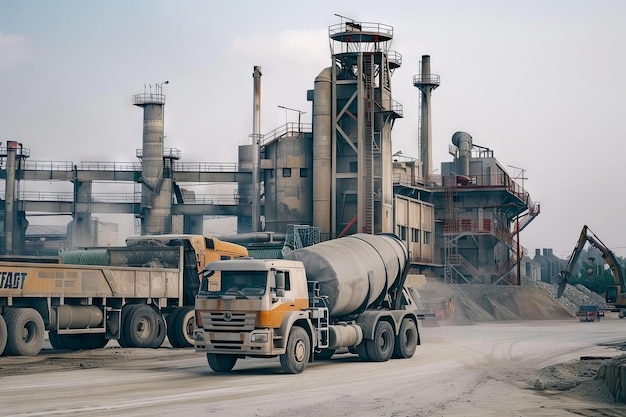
426 82
256 137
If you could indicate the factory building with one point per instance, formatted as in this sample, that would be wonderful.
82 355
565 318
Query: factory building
338 174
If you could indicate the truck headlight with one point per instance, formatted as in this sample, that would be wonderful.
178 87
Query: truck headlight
259 338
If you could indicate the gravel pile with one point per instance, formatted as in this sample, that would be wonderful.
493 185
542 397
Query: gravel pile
460 304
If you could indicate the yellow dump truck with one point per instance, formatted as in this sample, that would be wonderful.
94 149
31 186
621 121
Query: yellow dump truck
91 296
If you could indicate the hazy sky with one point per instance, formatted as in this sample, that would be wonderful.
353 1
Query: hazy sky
542 83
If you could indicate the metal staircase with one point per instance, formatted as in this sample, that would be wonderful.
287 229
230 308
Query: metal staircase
368 152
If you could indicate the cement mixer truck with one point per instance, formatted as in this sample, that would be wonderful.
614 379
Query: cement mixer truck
346 293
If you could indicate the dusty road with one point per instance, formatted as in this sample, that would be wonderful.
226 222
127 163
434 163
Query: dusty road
488 369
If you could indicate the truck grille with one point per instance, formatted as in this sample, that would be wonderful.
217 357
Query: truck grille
226 320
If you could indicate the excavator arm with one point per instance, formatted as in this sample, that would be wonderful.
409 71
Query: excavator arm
586 235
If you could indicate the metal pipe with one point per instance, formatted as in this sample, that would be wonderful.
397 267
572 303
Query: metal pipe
463 141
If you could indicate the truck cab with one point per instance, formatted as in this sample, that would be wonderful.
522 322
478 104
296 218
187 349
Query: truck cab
253 296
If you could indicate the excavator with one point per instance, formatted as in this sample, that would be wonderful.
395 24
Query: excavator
615 295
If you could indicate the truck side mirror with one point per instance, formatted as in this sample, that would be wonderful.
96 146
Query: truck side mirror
280 283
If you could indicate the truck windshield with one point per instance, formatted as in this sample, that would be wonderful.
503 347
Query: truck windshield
246 283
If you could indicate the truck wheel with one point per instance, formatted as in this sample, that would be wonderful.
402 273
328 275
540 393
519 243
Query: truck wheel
181 327
406 341
142 326
25 332
294 360
381 347
124 339
161 332
221 363
3 334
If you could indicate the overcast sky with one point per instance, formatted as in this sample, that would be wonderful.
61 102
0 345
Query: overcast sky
541 83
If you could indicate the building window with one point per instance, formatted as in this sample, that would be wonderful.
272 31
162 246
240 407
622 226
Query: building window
304 172
354 167
427 237
402 232
286 172
415 235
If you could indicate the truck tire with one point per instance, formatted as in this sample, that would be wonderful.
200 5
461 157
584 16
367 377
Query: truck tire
181 327
221 363
406 340
142 326
294 360
124 339
3 334
161 332
381 347
25 332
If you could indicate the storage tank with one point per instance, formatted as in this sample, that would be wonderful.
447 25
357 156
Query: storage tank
354 272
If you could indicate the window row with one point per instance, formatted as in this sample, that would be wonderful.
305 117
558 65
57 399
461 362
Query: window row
415 235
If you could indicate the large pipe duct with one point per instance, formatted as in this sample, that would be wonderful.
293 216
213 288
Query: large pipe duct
322 144
463 141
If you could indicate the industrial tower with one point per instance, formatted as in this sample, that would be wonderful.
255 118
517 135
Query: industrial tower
353 114
426 82
156 182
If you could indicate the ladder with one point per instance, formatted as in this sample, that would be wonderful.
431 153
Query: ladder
368 152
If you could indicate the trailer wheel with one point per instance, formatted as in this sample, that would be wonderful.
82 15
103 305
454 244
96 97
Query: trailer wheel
124 339
221 363
142 326
381 347
294 360
161 332
181 327
25 332
3 334
406 341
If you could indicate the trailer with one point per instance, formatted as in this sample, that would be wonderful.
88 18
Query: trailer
137 295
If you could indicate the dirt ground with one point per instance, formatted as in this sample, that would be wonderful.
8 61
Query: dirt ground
470 304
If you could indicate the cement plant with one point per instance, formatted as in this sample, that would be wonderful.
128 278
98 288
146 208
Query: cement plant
334 177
